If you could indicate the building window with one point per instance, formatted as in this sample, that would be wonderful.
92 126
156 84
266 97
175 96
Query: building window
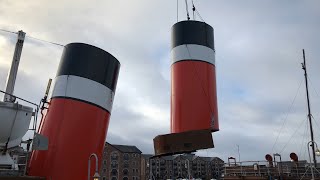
114 155
104 178
114 172
134 163
114 164
114 178
104 170
125 172
105 162
126 156
126 164
125 178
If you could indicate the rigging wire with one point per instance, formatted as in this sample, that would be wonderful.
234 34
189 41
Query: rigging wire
305 134
284 147
50 42
316 115
313 86
305 151
20 98
299 133
314 120
304 139
286 117
297 130
7 31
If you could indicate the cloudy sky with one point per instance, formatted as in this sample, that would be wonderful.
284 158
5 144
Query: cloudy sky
258 55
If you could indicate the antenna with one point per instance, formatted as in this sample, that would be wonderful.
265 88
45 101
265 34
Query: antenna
304 67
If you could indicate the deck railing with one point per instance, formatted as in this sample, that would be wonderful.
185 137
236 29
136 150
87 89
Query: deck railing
270 169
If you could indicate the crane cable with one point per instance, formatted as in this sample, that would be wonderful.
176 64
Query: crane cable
194 9
187 9
177 10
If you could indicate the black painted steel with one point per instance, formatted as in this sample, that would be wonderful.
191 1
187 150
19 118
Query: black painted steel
192 32
90 62
192 60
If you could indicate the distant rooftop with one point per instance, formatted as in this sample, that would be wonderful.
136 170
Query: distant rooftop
126 148
184 156
167 158
147 156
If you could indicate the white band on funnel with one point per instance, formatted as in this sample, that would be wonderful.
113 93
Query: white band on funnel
83 89
192 52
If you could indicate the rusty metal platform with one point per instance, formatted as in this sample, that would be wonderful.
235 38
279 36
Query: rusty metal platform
184 142
21 178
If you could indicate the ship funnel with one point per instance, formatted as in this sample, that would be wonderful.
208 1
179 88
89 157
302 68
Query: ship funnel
77 120
194 109
193 78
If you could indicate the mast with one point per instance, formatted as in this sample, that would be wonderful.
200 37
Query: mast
304 67
11 79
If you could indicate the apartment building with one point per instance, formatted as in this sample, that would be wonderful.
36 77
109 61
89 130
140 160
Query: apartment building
121 162
181 166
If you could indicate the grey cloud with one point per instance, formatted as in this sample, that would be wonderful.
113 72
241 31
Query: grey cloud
258 47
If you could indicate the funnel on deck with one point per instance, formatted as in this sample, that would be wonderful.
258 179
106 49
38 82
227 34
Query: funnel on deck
194 109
